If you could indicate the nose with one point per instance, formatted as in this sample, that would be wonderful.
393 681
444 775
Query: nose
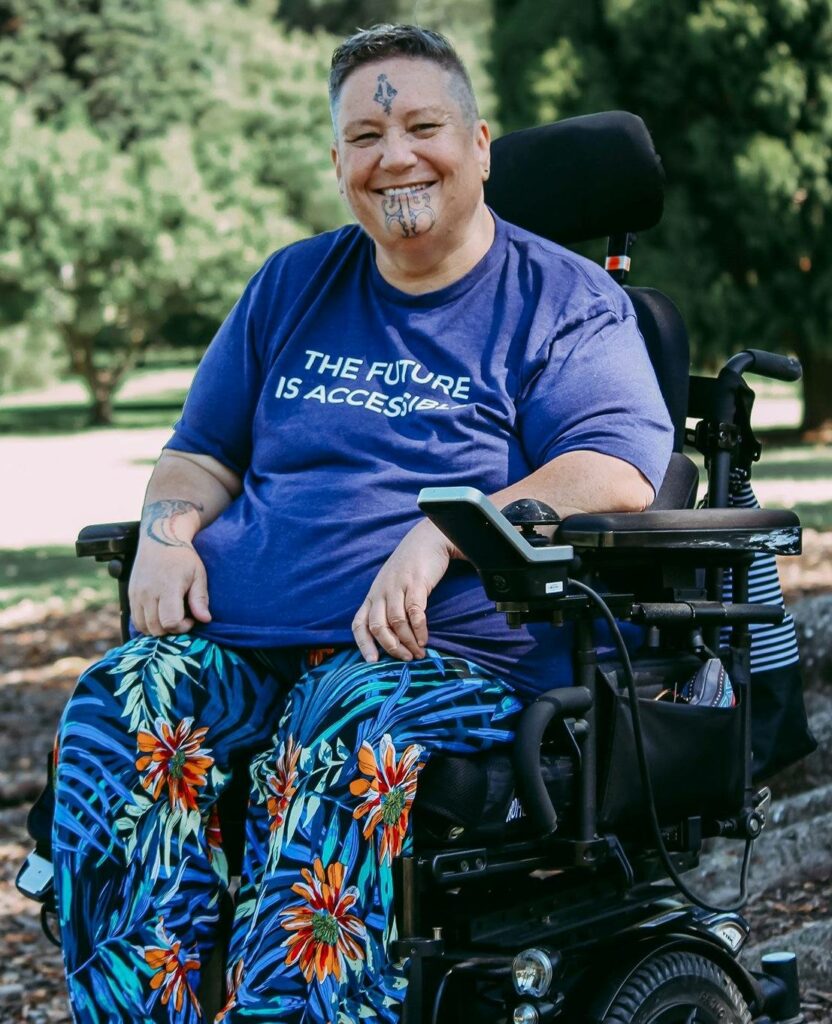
397 153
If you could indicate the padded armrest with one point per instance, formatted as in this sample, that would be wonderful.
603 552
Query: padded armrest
106 540
708 529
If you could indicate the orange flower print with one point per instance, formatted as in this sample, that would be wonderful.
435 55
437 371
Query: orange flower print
282 783
174 759
325 934
171 971
388 792
213 831
233 980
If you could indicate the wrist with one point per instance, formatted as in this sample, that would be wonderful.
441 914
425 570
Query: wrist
171 522
437 537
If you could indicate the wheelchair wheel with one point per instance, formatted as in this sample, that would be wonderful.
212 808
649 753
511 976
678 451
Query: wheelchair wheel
679 988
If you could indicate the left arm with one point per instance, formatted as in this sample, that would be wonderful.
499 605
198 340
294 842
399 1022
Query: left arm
393 612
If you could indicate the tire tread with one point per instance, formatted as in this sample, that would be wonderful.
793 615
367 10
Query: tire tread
663 968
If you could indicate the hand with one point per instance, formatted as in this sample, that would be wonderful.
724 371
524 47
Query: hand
393 612
163 578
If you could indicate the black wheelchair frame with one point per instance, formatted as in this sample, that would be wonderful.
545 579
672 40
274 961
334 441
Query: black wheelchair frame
568 904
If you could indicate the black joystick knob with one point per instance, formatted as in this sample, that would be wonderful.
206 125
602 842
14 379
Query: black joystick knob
528 513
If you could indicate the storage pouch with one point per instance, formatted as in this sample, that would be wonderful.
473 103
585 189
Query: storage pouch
694 755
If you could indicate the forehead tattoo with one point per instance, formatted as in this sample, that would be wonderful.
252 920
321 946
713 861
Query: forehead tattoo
385 93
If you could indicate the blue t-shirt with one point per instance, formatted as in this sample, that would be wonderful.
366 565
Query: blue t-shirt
336 398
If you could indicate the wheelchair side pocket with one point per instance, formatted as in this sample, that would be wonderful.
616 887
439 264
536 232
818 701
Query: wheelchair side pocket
695 757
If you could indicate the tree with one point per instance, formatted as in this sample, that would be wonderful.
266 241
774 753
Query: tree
738 96
107 246
340 17
115 228
124 63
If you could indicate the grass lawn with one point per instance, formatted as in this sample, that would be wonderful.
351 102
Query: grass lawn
149 399
40 573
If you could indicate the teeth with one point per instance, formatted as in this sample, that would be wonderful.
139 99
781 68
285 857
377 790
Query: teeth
406 190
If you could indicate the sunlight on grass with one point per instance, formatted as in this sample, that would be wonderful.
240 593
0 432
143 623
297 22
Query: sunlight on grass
40 573
150 399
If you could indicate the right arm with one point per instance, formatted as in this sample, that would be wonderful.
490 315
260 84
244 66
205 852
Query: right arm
168 585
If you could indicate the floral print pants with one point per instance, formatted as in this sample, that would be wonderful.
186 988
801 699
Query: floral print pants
144 749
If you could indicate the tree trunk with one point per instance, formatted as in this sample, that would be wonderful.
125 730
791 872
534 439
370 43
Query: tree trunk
101 413
817 388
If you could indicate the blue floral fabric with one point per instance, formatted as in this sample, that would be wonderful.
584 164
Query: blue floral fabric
145 748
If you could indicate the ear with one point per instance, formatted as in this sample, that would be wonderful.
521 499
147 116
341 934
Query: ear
336 162
482 143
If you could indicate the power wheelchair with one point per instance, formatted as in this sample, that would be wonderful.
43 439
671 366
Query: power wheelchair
544 882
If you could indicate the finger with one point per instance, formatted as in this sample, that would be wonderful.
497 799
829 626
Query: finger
172 612
363 638
151 618
400 624
137 614
382 631
415 603
198 597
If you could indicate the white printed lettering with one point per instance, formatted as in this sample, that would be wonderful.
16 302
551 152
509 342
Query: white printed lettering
332 366
376 401
288 388
463 385
443 383
351 367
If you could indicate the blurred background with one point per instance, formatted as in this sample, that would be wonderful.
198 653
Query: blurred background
154 152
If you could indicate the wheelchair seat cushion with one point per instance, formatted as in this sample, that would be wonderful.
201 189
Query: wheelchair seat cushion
475 798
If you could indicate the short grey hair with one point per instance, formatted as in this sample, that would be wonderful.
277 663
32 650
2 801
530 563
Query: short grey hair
368 46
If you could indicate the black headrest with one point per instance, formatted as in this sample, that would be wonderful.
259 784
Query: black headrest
583 178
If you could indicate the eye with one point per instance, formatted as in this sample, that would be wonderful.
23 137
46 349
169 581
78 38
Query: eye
364 139
425 128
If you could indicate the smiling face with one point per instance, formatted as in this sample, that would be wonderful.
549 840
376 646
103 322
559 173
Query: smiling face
408 161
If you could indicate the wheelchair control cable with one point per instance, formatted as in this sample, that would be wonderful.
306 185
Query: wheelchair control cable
644 769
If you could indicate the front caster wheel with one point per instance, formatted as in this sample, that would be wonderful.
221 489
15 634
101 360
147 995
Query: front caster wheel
679 988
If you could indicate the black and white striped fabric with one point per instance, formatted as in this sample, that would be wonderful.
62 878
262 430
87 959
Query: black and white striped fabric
779 730
772 647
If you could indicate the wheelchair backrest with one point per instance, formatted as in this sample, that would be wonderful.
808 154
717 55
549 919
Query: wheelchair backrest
593 177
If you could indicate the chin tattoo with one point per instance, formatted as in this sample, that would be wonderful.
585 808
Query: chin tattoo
384 93
409 215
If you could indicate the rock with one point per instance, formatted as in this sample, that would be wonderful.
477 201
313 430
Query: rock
803 848
813 621
816 769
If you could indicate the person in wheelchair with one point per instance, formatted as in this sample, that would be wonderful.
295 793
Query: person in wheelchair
292 609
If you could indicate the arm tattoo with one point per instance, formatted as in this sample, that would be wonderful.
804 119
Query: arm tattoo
385 93
159 518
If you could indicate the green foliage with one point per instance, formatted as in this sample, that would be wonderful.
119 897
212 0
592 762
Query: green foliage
123 221
121 62
738 96
152 154
467 23
337 16
106 245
